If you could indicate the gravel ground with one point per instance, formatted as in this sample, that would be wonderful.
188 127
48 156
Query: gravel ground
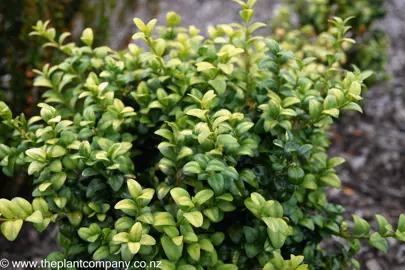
373 143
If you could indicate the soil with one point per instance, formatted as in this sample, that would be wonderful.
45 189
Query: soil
373 143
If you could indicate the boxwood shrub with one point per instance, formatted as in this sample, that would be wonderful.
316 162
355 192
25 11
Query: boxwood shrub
201 153
370 51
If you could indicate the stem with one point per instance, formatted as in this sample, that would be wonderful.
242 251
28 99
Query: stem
348 236
22 131
150 44
247 58
365 237
179 222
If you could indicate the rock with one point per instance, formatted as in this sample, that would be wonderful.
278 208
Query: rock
373 265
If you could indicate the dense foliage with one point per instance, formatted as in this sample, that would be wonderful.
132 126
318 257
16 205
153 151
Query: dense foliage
313 16
20 53
204 153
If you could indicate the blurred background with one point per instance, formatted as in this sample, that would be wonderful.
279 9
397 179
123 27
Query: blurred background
373 143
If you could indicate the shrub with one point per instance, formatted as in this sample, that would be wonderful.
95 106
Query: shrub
22 53
201 153
313 17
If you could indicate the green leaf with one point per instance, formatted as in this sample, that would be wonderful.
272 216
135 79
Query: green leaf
146 217
146 197
140 24
355 88
101 253
75 218
58 179
202 196
60 202
277 239
11 228
134 188
227 267
128 206
87 36
121 237
269 266
246 15
90 234
353 106
295 175
184 152
163 219
226 68
35 217
167 265
5 111
212 214
205 244
21 207
150 27
249 176
116 182
55 166
335 161
219 85
165 133
401 223
160 46
172 19
135 233
382 223
194 251
42 82
178 240
38 204
309 182
227 140
35 167
288 112
331 180
217 238
57 151
204 66
272 223
215 166
167 150
191 168
332 226
332 112
315 108
178 194
162 191
201 114
134 247
243 127
216 181
272 209
147 240
308 222
172 251
251 234
379 242
37 154
252 250
304 149
355 264
257 199
195 218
